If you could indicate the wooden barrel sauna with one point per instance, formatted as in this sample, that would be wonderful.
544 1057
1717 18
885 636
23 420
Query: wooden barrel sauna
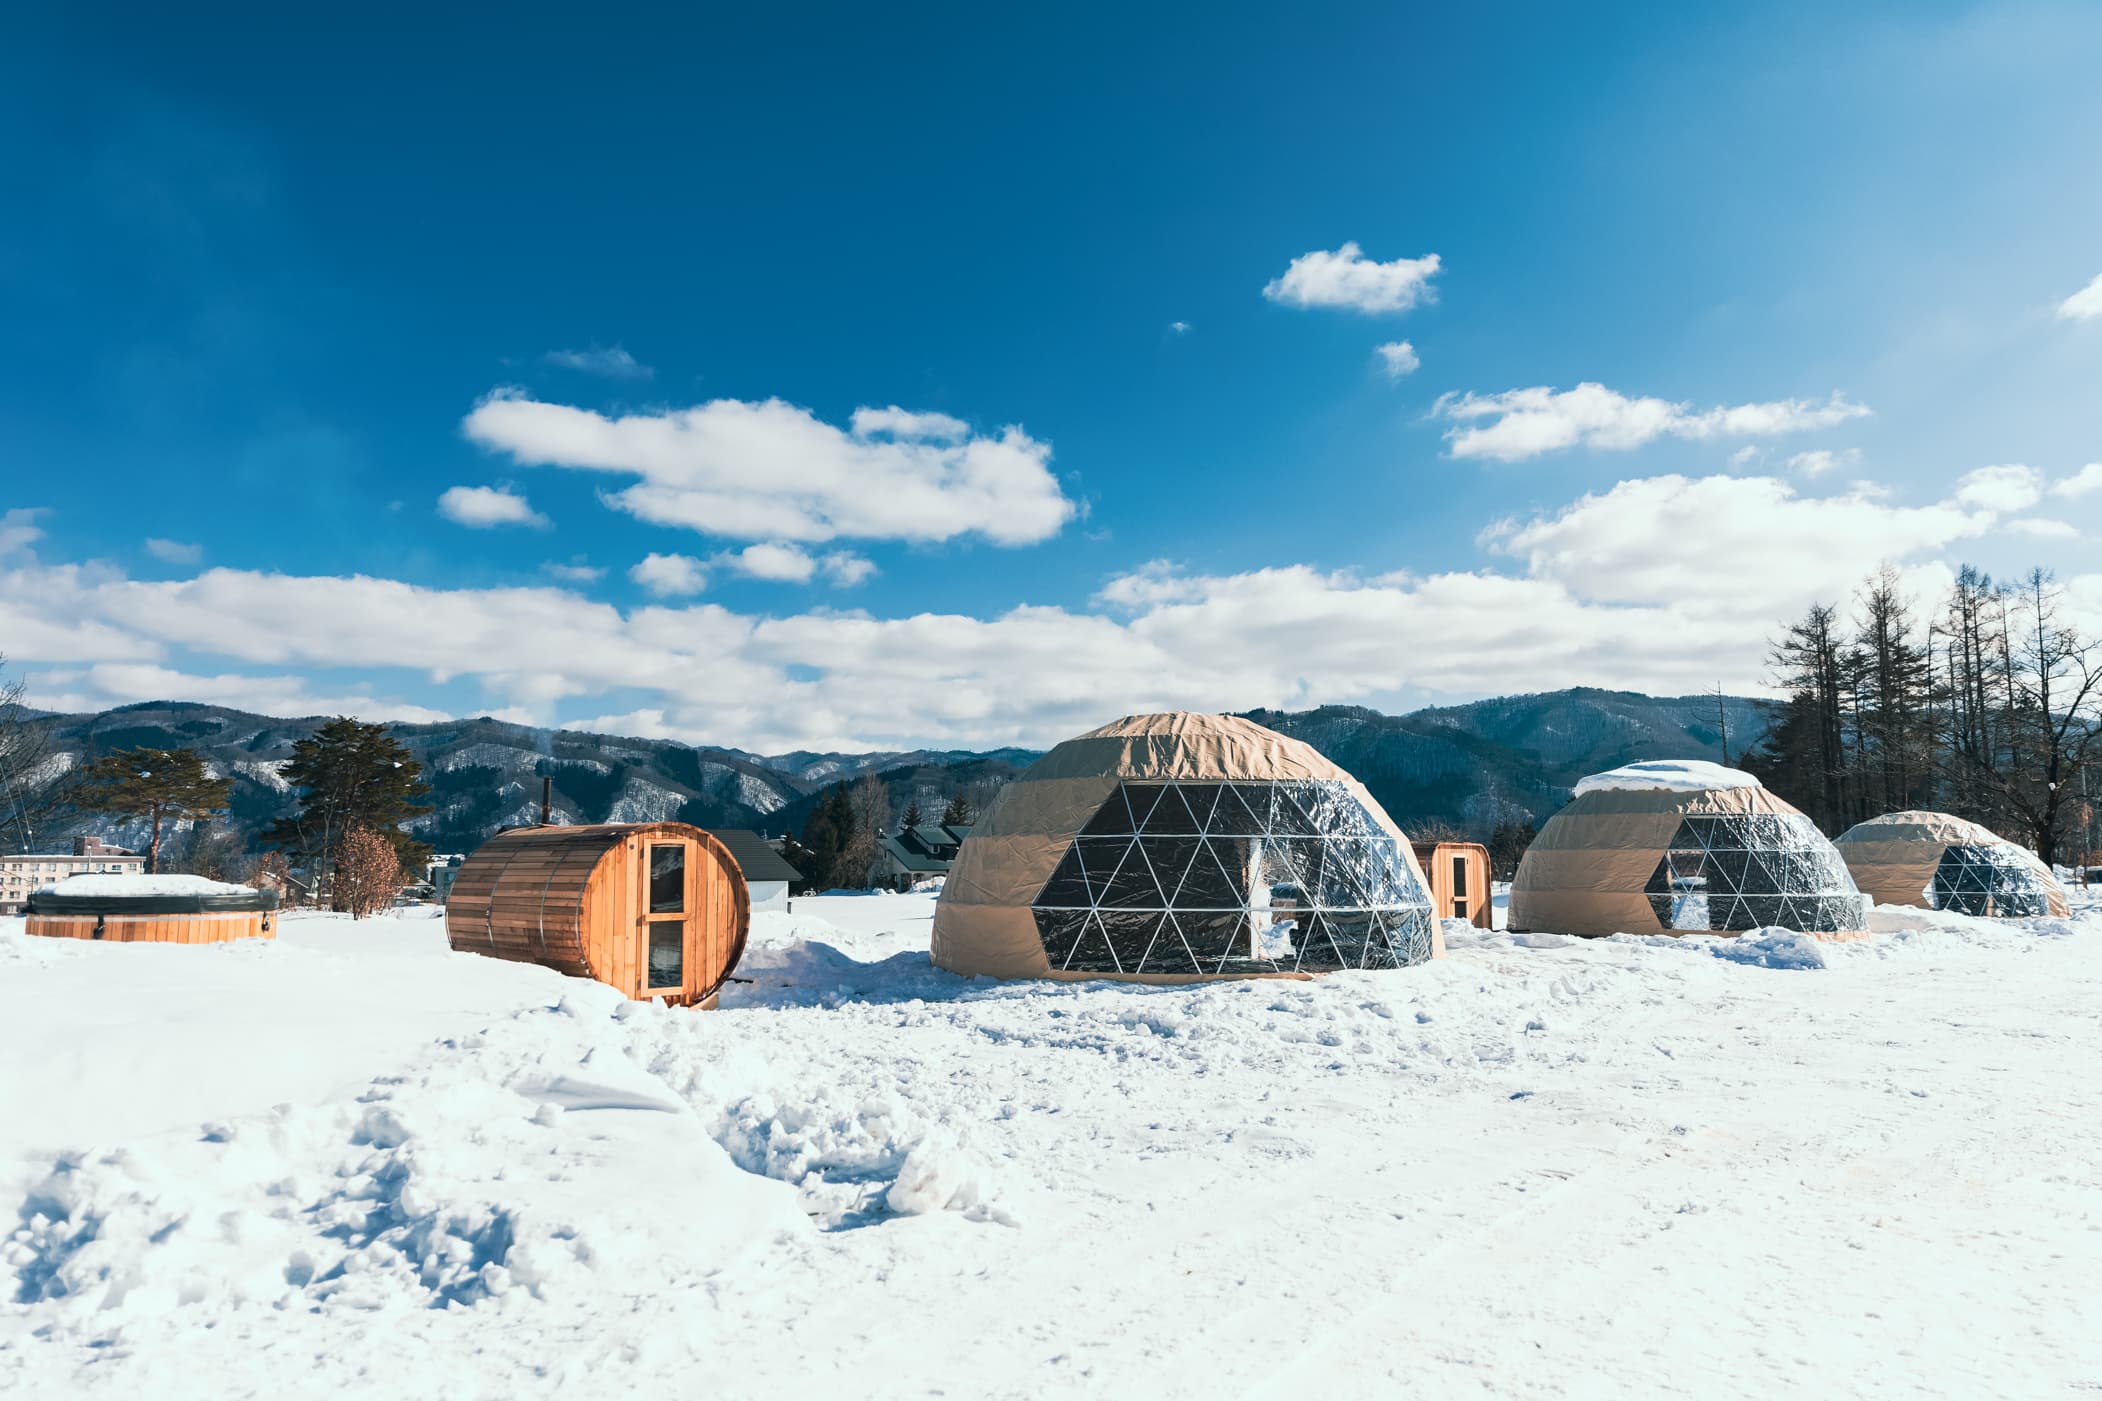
655 909
1459 877
102 907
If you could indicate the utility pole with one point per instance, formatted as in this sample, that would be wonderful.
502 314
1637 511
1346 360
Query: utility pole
1722 717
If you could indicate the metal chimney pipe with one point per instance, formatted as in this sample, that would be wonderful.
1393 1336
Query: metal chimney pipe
547 799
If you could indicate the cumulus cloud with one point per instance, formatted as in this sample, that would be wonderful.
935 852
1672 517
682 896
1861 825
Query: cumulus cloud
575 571
19 529
772 471
1347 278
486 507
2087 479
611 363
794 565
1525 423
1396 358
2085 304
2044 528
2010 487
669 575
1178 328
175 551
1666 584
1819 461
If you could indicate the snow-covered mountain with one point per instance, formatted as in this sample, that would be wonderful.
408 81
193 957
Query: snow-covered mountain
1472 765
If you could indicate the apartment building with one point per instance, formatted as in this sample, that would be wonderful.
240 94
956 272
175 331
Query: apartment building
21 873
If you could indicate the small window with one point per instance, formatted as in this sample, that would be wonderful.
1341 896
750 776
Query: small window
667 880
1459 878
668 953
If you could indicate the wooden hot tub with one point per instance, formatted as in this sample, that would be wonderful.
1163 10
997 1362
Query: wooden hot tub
170 910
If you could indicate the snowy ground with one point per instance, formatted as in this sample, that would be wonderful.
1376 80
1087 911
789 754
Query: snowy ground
351 1163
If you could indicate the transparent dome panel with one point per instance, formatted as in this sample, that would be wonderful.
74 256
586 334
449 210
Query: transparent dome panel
1233 877
1736 871
1991 881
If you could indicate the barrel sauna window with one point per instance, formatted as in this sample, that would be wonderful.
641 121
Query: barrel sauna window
667 951
1461 909
656 909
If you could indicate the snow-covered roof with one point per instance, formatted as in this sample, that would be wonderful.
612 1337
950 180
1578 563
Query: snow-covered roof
145 885
1668 775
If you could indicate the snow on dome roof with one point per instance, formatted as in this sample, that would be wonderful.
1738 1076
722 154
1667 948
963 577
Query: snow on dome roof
1667 775
145 885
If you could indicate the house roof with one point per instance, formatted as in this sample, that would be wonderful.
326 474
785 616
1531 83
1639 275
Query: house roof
908 857
758 860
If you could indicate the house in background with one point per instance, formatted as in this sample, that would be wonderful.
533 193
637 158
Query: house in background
20 874
913 854
766 875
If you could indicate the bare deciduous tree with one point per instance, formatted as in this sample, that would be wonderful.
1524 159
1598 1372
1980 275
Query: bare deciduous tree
367 872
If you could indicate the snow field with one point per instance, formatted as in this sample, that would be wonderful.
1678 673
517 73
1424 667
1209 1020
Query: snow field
351 1162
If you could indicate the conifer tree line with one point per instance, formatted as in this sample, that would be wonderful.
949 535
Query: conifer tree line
838 846
1988 706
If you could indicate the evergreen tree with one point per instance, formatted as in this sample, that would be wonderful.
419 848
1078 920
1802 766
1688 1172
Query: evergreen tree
825 836
1507 847
158 785
957 813
350 775
912 813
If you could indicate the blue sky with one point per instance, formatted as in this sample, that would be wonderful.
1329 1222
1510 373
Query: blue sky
278 289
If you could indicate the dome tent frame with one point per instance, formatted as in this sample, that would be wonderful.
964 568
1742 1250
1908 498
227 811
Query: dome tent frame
1938 861
1167 848
1682 848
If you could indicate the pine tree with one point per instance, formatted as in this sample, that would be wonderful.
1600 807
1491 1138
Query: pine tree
1507 847
912 813
825 837
957 813
350 775
158 785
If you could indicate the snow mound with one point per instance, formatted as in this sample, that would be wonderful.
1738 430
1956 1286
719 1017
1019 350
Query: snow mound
145 885
1667 775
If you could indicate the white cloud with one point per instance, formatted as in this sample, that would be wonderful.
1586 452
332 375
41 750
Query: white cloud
1178 328
2085 304
1747 455
2044 528
575 571
845 569
19 529
175 551
1525 423
668 575
486 507
794 565
610 362
772 471
2010 487
1396 358
1819 461
1665 584
2087 479
1347 278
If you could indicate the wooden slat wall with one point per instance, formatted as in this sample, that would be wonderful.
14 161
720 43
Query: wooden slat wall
216 928
1436 860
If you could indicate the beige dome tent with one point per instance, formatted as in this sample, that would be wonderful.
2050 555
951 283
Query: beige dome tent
1681 847
1169 848
1941 862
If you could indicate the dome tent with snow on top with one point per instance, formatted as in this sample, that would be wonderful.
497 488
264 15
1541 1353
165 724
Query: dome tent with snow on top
141 909
1942 862
1679 847
1178 847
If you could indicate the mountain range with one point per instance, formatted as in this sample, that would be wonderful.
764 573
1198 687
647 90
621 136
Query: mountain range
1467 766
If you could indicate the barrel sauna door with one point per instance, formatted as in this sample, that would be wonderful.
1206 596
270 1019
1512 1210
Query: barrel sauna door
668 880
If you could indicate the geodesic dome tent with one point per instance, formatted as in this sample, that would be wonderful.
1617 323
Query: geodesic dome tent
1942 862
1683 847
1175 847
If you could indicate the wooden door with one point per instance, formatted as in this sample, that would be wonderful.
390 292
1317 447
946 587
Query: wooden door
667 955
